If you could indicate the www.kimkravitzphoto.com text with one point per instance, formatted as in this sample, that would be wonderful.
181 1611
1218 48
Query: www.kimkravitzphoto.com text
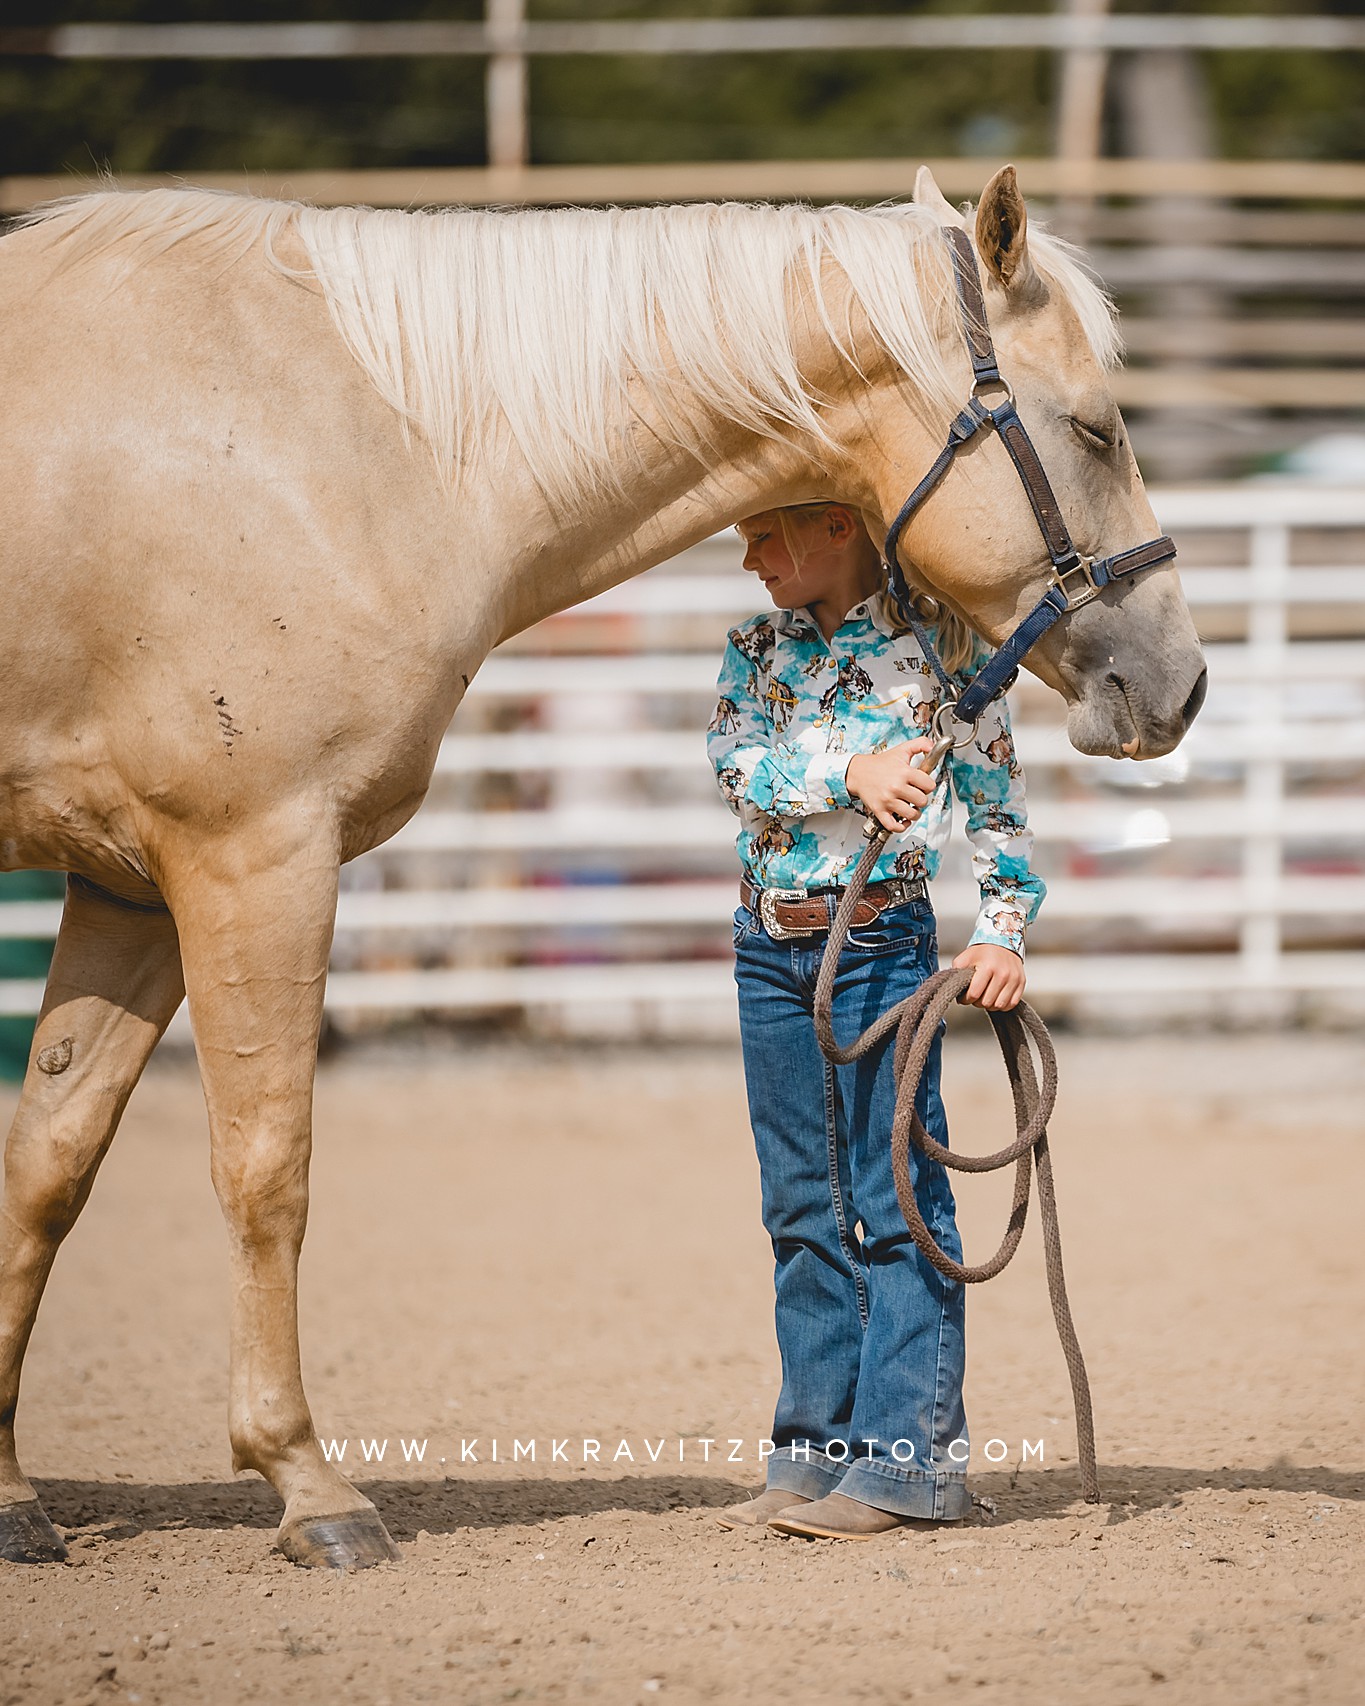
619 1453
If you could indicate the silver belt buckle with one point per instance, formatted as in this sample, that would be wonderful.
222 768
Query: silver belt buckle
767 911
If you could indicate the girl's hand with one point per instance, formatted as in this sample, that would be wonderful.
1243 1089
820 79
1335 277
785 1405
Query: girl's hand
997 977
889 785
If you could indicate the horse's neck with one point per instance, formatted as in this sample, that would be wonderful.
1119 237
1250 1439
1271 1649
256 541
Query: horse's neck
670 503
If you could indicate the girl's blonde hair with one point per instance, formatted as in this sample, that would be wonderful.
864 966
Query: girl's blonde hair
956 643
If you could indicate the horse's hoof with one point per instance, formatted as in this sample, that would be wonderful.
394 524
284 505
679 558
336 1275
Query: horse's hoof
27 1537
354 1541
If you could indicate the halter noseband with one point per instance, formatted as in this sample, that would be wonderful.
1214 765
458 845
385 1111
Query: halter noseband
1076 579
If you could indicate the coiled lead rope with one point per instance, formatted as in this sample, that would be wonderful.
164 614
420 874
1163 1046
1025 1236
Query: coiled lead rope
915 1020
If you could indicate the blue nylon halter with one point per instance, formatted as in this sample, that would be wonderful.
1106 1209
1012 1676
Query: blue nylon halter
1068 563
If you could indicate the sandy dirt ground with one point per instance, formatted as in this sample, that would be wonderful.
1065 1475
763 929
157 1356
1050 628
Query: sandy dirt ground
508 1245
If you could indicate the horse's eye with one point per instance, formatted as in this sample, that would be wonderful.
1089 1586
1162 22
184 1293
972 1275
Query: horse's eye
1097 437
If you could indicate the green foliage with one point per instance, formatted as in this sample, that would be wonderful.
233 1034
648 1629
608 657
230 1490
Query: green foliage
185 115
63 116
1289 106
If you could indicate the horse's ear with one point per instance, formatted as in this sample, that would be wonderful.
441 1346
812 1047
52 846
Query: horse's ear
1002 230
928 194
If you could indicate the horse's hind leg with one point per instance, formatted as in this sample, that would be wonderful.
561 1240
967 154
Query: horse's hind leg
113 987
255 945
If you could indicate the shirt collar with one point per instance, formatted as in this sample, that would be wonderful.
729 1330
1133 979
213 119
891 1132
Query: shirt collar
873 611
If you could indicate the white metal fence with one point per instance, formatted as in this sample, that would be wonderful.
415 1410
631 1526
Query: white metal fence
574 854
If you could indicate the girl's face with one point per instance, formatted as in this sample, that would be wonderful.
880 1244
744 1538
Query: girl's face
826 544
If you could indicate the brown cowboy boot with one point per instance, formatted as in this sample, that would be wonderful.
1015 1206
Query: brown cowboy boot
754 1512
837 1517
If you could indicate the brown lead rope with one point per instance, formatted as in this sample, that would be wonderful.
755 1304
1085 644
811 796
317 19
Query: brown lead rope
915 1021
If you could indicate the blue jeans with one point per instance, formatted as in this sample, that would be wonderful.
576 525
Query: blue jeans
871 1336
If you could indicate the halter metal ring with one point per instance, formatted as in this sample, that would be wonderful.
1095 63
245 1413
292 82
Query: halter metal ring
943 730
999 380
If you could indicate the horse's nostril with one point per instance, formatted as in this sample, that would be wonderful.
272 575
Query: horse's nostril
1196 699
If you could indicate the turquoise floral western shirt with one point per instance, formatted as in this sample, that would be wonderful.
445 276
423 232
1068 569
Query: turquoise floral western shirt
794 708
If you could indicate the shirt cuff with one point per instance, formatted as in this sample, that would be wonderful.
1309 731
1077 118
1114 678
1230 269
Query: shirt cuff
825 777
987 933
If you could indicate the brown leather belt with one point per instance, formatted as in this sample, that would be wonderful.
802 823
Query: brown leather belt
797 912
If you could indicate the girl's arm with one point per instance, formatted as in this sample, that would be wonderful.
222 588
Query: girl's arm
988 781
756 769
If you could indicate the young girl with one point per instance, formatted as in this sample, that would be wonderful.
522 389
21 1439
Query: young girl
823 716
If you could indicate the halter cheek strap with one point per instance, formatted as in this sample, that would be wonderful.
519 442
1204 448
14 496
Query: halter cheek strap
1076 578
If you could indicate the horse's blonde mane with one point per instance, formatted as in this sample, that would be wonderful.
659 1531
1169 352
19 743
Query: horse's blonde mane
549 319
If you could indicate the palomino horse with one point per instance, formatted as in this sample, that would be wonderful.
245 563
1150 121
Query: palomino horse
276 481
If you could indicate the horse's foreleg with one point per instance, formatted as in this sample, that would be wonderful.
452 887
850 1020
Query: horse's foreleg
255 946
113 987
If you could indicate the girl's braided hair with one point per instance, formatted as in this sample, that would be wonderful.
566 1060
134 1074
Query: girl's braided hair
956 644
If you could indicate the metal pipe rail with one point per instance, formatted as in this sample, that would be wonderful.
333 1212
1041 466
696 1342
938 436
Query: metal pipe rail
748 180
390 912
983 32
664 673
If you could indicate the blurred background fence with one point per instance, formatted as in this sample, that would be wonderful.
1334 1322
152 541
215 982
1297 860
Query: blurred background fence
572 868
575 852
